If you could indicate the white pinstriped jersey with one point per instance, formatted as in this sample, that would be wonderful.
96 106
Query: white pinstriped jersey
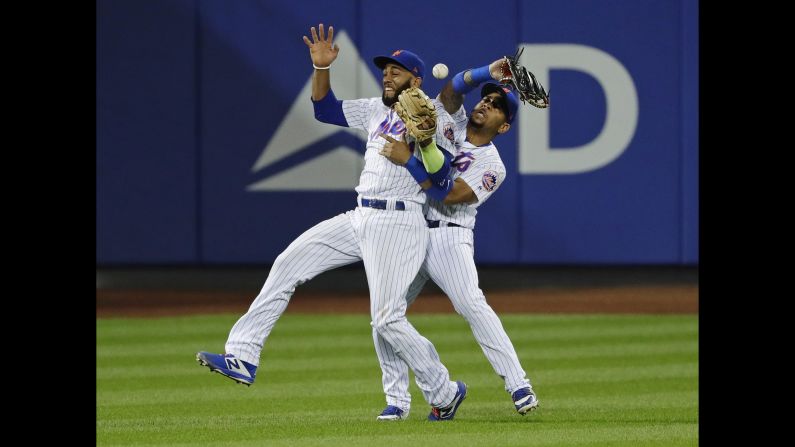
380 177
391 243
450 263
479 166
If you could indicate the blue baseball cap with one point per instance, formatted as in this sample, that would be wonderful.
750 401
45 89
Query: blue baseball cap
405 59
507 94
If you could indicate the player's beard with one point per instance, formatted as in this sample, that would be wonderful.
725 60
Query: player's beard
398 90
474 125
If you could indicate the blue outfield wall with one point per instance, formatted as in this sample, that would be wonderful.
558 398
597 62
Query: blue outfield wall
208 151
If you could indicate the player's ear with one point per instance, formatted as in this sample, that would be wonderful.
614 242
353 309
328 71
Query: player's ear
504 127
416 82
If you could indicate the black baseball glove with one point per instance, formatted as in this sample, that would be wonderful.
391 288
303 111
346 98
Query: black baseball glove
523 82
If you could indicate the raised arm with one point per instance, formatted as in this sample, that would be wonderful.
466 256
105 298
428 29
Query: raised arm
452 94
322 52
451 99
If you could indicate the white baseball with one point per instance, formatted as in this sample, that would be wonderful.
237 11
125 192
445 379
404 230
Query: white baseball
440 71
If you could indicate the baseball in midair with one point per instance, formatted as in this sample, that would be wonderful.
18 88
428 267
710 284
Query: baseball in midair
440 71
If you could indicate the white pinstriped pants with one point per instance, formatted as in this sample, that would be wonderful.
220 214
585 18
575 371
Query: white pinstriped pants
450 264
392 245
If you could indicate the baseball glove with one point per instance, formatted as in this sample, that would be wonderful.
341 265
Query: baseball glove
523 82
414 107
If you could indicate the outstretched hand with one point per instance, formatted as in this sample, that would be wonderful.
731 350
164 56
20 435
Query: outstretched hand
499 69
397 151
321 49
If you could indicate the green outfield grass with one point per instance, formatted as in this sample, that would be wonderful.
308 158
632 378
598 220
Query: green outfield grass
601 380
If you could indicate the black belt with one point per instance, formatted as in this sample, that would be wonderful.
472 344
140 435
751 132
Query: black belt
381 204
435 224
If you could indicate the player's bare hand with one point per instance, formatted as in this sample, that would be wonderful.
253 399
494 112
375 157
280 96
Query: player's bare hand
499 69
321 48
397 151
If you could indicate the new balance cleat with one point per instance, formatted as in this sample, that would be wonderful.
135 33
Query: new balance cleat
392 413
447 413
524 400
228 365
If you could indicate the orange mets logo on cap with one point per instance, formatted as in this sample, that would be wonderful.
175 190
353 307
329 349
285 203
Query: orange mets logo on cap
397 53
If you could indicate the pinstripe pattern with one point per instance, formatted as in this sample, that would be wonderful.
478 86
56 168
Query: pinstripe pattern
380 177
472 164
450 264
392 245
460 119
329 244
391 241
394 372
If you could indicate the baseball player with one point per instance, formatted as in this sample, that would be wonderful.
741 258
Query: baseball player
449 262
387 231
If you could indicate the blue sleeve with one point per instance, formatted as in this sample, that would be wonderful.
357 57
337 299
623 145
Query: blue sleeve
440 175
417 170
439 190
329 110
439 187
479 75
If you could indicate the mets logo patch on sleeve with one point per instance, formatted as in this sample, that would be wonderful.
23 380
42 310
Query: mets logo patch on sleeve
448 132
489 180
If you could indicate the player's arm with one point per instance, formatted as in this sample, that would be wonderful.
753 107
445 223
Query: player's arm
322 52
328 109
435 160
460 193
452 94
451 99
450 192
446 190
436 183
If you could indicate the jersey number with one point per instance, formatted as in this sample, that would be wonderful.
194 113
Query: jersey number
462 161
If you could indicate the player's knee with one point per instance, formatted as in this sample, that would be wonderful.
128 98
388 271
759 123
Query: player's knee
384 325
472 305
378 326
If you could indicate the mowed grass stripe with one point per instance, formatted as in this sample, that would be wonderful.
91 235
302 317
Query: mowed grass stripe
292 393
410 433
582 396
276 360
111 329
322 324
595 374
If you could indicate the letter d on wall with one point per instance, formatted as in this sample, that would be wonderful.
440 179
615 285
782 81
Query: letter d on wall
535 155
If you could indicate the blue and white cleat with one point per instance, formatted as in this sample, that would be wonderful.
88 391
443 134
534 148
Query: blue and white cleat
228 365
447 413
393 413
524 400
